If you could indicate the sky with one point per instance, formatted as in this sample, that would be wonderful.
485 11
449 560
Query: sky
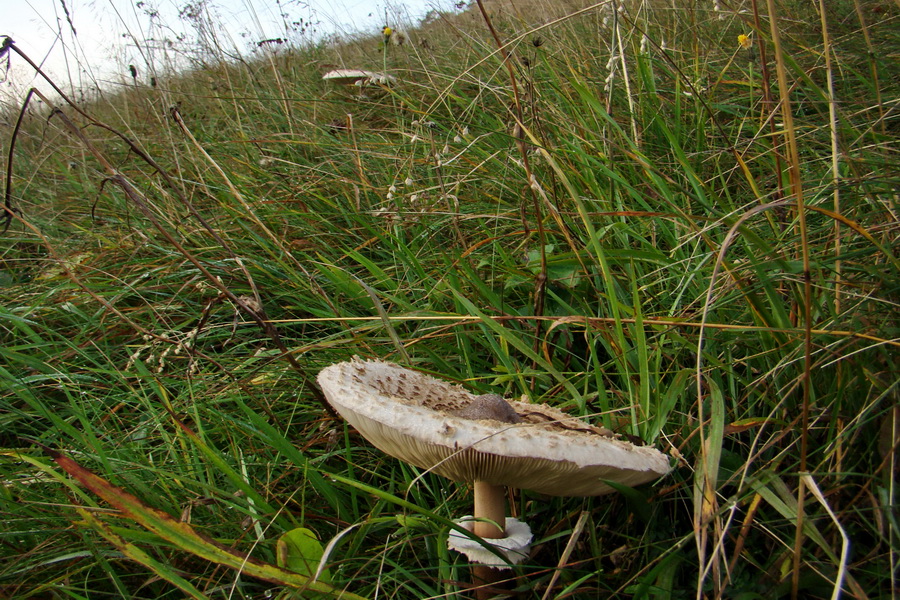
82 43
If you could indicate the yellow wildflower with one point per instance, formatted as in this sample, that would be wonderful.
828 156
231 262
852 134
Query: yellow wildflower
744 41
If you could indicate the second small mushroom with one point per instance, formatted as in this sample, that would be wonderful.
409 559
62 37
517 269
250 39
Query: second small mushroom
358 77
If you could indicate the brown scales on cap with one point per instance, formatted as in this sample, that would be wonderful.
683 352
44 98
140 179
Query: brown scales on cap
491 407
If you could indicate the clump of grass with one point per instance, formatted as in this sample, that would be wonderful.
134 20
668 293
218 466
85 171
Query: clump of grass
627 213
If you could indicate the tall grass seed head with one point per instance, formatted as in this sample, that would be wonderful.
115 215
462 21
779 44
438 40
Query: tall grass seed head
397 38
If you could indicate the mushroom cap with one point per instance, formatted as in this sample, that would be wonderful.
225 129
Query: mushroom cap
404 413
360 76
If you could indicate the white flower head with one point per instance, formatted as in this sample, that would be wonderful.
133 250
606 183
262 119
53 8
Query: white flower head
717 8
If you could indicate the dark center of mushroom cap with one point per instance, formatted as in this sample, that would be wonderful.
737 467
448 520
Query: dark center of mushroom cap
488 406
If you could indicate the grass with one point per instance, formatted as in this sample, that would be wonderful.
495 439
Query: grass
633 229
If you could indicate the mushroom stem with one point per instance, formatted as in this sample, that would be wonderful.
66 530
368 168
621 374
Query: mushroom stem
488 582
490 510
490 523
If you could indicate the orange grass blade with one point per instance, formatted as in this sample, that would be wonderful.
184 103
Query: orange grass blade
186 538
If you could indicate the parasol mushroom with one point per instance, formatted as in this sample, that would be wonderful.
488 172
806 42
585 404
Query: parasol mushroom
359 77
486 440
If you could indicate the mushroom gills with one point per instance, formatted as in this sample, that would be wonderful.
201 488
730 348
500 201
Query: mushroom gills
488 406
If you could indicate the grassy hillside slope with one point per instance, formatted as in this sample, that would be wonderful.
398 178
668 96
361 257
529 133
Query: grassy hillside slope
676 219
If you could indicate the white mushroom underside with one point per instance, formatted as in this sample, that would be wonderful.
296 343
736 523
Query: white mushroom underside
401 412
